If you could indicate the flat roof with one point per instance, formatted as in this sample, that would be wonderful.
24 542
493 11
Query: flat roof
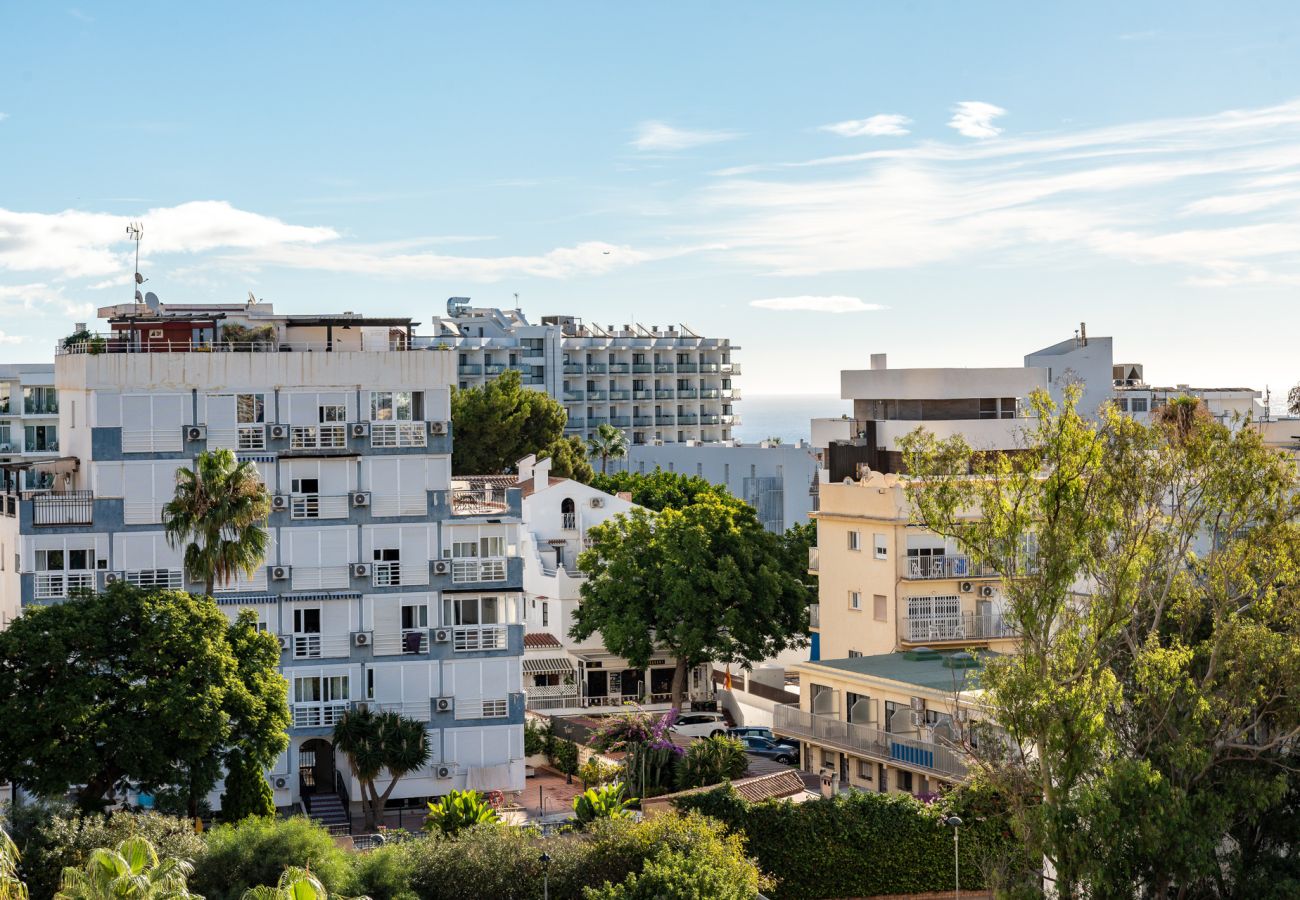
926 673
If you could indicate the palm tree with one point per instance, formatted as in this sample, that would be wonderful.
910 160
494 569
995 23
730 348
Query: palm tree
131 872
295 884
219 514
375 742
11 886
608 443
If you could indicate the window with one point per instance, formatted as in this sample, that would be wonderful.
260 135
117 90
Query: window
880 607
398 406
40 438
415 616
390 554
546 613
472 610
859 708
891 710
855 540
855 600
568 514
881 545
306 621
39 401
250 409
4 399
61 560
370 684
829 759
305 486
865 770
333 412
318 689
1139 404
854 654
1122 403
823 699
6 442
905 780
492 546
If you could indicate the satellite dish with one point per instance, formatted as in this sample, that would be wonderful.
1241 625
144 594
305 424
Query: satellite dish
151 301
139 279
138 298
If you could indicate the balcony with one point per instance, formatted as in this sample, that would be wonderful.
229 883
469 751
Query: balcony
620 421
664 418
731 368
730 419
573 396
688 367
65 508
314 645
157 579
392 573
596 394
643 395
620 395
469 369
468 571
643 421
486 500
687 419
710 368
315 715
406 641
664 393
641 368
596 368
234 437
466 638
929 568
962 628
930 757
597 421
318 506
687 393
815 615
710 420
61 585
399 434
731 393
318 437
494 368
664 368
813 560
710 394
573 369
575 424
619 368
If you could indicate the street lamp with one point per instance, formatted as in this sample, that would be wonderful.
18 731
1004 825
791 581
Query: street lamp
954 823
545 860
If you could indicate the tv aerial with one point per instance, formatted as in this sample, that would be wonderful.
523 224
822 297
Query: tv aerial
135 232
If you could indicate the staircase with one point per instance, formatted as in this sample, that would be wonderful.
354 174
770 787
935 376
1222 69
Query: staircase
327 809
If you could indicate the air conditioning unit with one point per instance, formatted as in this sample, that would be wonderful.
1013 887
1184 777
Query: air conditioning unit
280 573
445 704
361 570
112 577
918 719
597 502
918 703
279 432
437 428
446 770
966 587
441 635
279 502
986 590
281 782
360 429
441 567
284 641
196 432
360 498
362 638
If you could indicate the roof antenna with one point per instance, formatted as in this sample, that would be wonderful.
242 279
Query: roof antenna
135 231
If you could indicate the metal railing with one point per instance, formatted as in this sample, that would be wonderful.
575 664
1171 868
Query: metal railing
170 579
115 342
478 501
395 574
814 559
815 615
483 709
964 627
936 567
929 756
232 437
316 437
464 571
399 434
311 715
58 585
63 508
569 521
479 637
318 506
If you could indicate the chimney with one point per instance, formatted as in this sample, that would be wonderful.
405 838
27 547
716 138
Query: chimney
878 362
1083 334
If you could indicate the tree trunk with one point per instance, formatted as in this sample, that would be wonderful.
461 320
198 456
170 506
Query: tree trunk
369 802
679 684
210 586
604 463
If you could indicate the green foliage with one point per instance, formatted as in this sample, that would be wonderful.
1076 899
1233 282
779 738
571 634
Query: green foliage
539 738
565 757
131 871
257 851
659 490
795 544
11 886
218 515
247 792
860 844
386 872
378 742
711 760
568 458
605 802
243 337
295 884
704 582
595 772
499 423
1148 694
458 811
606 443
163 688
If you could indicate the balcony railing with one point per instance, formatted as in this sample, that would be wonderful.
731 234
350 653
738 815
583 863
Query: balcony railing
620 395
419 710
710 420
643 395
620 421
169 579
663 367
494 368
395 574
572 369
596 368
479 637
59 585
710 394
312 715
478 501
65 508
115 342
814 561
597 394
569 521
688 367
815 615
641 368
318 437
229 437
573 396
664 393
465 571
551 696
619 368
937 567
709 367
864 740
687 418
399 434
152 440
575 424
731 368
314 645
318 506
964 627
643 421
483 708
469 369
687 393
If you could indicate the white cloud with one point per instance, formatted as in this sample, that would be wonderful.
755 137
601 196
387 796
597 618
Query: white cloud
807 303
662 137
10 338
974 118
3 116
882 125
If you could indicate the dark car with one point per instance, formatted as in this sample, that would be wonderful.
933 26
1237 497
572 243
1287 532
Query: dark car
761 746
742 731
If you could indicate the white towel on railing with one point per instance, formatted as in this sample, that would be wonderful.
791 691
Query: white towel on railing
487 778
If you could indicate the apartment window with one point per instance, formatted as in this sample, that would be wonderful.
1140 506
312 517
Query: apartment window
370 684
472 610
854 654
905 780
415 616
40 401
318 689
4 399
333 412
546 613
1122 403
304 486
879 607
855 540
250 409
306 621
699 468
997 408
59 560
855 600
1139 404
40 438
396 406
881 544
865 770
726 473
829 760
823 699
891 710
6 442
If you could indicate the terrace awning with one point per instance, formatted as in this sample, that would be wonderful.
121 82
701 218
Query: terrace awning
548 665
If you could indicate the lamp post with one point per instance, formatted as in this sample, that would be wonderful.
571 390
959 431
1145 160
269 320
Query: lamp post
954 823
545 860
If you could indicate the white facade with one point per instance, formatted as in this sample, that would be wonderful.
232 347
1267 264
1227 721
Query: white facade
29 417
657 384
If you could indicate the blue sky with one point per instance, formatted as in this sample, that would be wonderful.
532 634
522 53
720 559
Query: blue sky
954 184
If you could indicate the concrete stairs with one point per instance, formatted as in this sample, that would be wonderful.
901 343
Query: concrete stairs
327 809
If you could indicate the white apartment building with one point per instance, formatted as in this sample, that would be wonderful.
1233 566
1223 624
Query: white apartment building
388 582
29 417
561 674
656 383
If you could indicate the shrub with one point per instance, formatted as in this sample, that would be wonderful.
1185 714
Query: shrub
247 792
539 739
256 851
711 760
385 873
565 758
605 802
595 772
497 864
460 810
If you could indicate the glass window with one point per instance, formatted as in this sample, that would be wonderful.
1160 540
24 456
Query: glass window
396 406
390 554
855 600
250 409
4 399
472 610
1139 404
492 546
415 616
305 486
6 442
865 770
464 549
333 412
881 547
306 621
855 540
49 560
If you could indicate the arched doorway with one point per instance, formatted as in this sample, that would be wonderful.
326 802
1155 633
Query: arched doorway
316 767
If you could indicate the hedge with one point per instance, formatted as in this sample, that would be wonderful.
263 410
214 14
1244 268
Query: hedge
864 844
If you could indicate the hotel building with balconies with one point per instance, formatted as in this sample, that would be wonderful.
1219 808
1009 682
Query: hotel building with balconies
388 581
29 418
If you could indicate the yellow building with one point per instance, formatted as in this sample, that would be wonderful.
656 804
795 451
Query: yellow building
886 583
885 722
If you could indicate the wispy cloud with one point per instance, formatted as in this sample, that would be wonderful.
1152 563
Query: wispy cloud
656 136
808 303
881 125
81 16
6 338
3 116
974 118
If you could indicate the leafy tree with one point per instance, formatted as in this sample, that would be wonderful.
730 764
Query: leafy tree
565 759
247 792
378 742
219 516
256 851
499 423
798 539
1170 685
132 871
712 760
11 886
608 801
163 687
460 810
607 443
1293 400
705 582
660 490
568 459
596 772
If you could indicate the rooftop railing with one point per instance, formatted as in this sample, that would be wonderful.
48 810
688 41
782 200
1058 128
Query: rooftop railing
913 753
963 627
98 344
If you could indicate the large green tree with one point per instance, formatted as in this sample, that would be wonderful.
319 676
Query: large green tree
568 458
155 687
606 443
218 515
659 490
1149 572
499 423
704 582
376 743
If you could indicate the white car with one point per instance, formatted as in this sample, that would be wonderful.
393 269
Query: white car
700 724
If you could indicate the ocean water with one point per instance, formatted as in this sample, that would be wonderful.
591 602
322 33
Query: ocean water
784 415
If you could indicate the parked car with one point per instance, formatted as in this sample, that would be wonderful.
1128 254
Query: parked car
762 731
761 746
700 724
